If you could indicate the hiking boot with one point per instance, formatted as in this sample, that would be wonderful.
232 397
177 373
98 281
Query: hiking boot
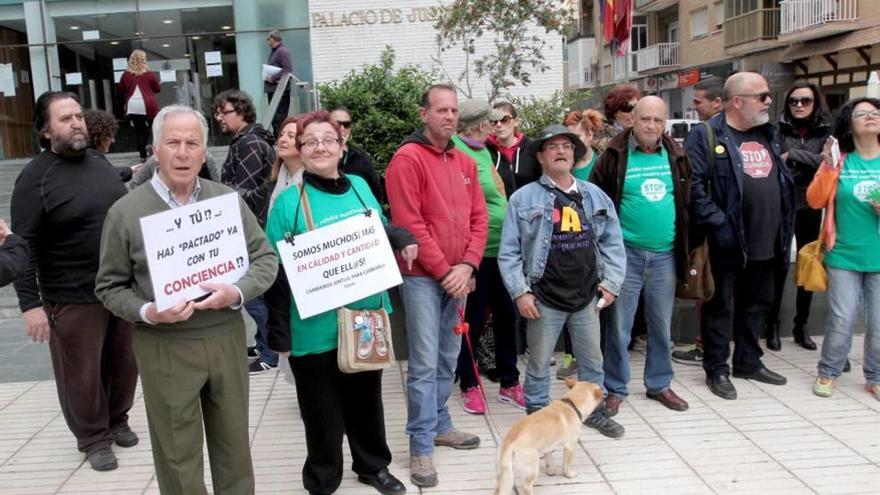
472 401
513 396
123 436
823 387
873 389
604 425
422 471
102 459
458 440
568 368
692 356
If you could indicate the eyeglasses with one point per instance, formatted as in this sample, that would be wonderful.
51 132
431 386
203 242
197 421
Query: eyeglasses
504 120
330 143
222 113
762 97
558 147
864 114
344 123
800 102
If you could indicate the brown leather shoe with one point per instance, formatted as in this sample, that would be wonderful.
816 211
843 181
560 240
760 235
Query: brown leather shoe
612 405
669 399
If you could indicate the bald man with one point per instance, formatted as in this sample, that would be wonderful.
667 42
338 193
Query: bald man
647 177
743 197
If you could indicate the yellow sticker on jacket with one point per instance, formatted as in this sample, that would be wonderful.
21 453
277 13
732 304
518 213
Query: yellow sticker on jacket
719 150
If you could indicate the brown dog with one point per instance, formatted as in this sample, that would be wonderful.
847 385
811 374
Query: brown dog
539 434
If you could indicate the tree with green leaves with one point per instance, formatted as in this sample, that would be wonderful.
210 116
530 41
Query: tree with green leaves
517 51
383 102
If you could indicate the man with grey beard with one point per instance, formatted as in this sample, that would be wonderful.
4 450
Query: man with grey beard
58 207
742 195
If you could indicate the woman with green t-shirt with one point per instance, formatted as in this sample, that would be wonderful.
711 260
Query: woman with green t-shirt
331 403
848 189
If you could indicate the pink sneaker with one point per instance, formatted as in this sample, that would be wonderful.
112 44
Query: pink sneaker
472 401
513 396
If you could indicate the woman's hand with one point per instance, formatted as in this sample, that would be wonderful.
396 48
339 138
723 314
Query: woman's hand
876 206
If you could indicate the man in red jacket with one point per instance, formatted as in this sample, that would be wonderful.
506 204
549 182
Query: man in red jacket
434 193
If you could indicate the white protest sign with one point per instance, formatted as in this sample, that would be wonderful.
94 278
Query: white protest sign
192 244
338 264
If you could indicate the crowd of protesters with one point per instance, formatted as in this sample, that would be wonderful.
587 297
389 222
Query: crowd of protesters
589 227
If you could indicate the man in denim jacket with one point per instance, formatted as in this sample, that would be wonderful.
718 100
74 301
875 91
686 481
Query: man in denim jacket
562 260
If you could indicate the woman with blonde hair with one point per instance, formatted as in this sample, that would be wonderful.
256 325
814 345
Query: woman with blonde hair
140 86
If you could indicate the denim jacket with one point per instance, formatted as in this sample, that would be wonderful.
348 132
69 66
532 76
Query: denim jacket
528 227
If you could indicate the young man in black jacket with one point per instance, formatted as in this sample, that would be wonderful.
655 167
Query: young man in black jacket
356 161
58 206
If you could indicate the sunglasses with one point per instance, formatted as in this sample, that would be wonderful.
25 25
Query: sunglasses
762 97
504 120
800 102
344 123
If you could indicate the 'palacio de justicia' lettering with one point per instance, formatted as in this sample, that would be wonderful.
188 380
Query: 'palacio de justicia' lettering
370 17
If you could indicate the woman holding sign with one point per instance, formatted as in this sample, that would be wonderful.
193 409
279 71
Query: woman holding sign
331 402
848 189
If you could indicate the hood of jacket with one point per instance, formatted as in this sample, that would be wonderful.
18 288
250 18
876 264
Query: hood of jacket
418 137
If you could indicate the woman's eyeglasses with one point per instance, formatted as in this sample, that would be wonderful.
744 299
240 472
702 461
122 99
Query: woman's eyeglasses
504 120
330 143
344 123
800 102
864 114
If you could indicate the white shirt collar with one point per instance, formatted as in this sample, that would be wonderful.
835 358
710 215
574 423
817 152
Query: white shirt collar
164 191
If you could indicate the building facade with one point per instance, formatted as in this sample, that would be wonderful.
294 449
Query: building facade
675 43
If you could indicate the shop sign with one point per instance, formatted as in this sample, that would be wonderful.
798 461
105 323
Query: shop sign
688 78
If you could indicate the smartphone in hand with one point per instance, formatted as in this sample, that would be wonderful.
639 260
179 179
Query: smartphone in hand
835 152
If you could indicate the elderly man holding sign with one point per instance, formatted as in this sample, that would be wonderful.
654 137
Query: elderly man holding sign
179 260
329 235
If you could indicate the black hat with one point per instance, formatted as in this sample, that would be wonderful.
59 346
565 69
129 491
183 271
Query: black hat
550 132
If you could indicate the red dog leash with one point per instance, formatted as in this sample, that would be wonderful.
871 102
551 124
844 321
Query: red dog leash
463 328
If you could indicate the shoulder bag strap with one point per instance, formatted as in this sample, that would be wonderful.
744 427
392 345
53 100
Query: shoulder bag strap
710 157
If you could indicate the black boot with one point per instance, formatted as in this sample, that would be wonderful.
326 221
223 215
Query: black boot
802 338
771 333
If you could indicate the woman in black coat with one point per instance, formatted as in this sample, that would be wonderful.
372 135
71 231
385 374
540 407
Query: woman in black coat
805 124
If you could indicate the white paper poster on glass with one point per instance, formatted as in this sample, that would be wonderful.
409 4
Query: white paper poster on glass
212 58
117 76
73 78
167 76
7 80
120 64
193 244
338 264
91 35
214 70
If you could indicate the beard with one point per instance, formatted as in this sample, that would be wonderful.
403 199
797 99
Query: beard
74 147
759 119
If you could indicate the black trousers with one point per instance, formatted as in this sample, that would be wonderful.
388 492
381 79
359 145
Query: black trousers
333 403
280 112
490 295
142 135
743 296
807 224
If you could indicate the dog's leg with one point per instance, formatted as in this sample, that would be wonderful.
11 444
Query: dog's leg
529 484
548 464
568 459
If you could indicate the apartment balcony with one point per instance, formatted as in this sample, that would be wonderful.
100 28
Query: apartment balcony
653 5
624 68
582 79
657 56
752 31
809 19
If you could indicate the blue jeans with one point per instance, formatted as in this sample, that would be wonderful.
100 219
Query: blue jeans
653 274
542 335
433 353
260 313
846 290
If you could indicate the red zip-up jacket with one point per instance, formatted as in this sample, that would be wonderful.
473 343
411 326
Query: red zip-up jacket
435 194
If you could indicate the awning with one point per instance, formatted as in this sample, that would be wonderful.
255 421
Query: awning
855 39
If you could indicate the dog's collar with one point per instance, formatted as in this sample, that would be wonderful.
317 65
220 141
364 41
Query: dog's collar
571 404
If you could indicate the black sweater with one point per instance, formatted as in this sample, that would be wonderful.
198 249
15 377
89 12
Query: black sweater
355 161
58 205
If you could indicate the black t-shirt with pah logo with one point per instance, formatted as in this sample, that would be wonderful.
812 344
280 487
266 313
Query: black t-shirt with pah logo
762 201
570 277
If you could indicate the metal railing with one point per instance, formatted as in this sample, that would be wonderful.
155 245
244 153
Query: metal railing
760 24
582 79
798 15
657 56
622 68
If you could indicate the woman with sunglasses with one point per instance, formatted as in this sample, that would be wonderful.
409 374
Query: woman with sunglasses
331 403
512 145
355 161
805 124
619 104
849 190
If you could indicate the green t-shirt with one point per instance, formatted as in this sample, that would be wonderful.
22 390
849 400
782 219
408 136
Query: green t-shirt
583 173
858 240
319 333
647 207
493 191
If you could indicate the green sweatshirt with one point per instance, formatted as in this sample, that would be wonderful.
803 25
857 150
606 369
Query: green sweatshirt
493 190
123 282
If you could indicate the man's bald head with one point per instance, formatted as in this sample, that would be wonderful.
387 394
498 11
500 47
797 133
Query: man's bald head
742 83
649 121
747 100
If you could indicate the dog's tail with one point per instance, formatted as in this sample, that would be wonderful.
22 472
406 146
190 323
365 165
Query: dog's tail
505 470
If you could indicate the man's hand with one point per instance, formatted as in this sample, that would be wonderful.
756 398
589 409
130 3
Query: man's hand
222 296
456 282
136 168
409 254
525 304
4 231
607 296
37 324
179 312
784 157
876 205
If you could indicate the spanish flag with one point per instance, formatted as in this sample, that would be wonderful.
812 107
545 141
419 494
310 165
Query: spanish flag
616 20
